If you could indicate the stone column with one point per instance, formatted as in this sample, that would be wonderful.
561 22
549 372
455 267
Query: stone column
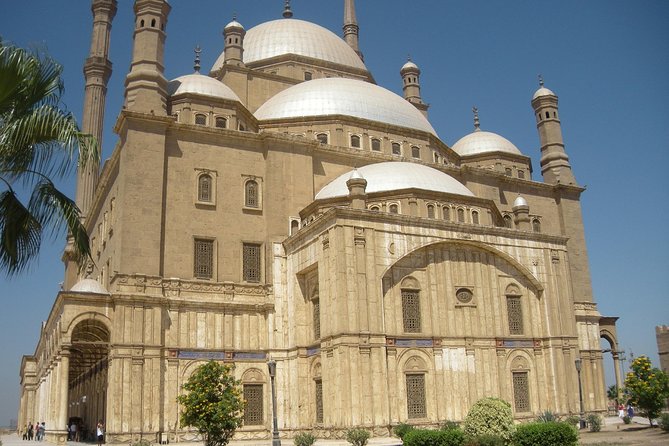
616 369
60 432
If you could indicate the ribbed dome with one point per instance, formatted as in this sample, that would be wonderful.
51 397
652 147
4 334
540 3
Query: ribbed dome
200 84
89 286
519 202
543 91
395 175
479 142
409 65
292 36
341 96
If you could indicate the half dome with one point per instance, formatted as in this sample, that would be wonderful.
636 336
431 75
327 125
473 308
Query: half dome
479 142
341 96
292 36
89 286
395 175
200 84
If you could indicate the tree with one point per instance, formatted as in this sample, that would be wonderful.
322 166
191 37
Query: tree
648 388
613 394
489 416
39 141
213 404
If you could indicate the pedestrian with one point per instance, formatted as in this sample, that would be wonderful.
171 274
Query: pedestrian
100 432
37 431
73 431
621 410
42 430
630 411
30 430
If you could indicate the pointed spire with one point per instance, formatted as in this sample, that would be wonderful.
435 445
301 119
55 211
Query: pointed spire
287 12
477 124
541 81
350 27
196 66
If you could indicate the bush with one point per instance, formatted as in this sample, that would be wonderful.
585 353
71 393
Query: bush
489 416
304 439
486 440
547 416
448 424
572 420
594 422
401 430
664 422
549 433
357 437
423 437
627 419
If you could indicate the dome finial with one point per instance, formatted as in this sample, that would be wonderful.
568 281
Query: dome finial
287 13
477 124
541 81
196 66
234 16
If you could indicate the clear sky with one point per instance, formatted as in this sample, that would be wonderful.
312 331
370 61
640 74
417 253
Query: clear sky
607 60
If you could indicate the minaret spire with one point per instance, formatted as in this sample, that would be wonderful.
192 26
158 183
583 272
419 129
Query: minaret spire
351 29
196 65
477 123
287 12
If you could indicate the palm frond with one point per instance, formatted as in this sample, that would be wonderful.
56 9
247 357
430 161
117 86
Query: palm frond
20 234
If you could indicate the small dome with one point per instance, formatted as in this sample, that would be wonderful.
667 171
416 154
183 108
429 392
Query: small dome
89 286
479 142
355 175
409 66
543 91
292 36
520 202
200 84
233 24
395 175
342 96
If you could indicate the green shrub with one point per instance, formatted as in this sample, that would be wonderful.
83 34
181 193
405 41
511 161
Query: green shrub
448 424
489 416
594 422
664 422
304 439
423 437
357 437
572 420
627 420
549 433
486 440
401 430
547 416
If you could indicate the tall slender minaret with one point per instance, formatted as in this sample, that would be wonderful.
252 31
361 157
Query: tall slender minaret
411 85
351 28
145 84
555 166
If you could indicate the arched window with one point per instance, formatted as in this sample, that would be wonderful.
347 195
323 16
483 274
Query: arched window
374 208
322 138
508 222
376 144
393 209
221 123
252 386
242 127
475 217
411 316
521 174
307 76
355 141
514 310
508 172
445 213
251 191
461 215
294 226
200 119
536 225
520 383
415 152
415 371
430 211
396 148
204 188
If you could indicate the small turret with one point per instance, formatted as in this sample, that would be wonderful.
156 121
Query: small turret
521 214
411 85
555 166
234 43
357 186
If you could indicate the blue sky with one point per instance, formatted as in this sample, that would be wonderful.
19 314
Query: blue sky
607 60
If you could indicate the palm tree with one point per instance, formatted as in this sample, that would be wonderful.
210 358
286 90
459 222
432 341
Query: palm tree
38 142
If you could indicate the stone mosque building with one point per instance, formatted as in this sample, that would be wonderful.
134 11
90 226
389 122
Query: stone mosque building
286 207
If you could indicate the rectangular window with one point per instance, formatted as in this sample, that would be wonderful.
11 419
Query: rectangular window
317 318
253 411
521 392
204 259
416 396
515 315
251 262
411 311
319 401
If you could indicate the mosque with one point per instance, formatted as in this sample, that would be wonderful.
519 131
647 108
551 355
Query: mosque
284 209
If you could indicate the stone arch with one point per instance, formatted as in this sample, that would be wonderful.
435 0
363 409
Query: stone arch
414 359
607 331
92 315
253 376
411 283
316 370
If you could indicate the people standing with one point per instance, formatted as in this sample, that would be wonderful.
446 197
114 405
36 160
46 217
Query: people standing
100 433
74 432
621 410
42 430
30 430
36 429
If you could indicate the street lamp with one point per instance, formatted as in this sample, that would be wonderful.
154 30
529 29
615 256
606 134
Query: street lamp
276 441
581 415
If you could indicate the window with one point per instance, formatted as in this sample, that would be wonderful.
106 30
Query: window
521 392
203 259
374 208
515 315
376 144
393 209
536 225
322 138
521 174
221 123
200 119
415 152
242 127
319 401
416 396
411 311
251 198
204 188
461 215
508 172
253 410
436 157
548 115
464 295
316 314
251 262
307 76
294 226
430 211
475 217
355 141
396 148
508 222
445 212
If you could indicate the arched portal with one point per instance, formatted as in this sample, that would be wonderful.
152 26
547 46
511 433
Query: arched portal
87 382
607 331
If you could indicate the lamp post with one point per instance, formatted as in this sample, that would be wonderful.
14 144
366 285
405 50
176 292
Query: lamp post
276 441
581 415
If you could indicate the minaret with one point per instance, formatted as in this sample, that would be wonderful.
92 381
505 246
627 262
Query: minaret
145 85
233 34
351 29
555 166
411 85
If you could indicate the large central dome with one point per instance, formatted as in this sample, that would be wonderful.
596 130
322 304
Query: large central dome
292 36
341 96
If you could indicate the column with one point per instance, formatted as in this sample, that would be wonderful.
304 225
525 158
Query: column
61 416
